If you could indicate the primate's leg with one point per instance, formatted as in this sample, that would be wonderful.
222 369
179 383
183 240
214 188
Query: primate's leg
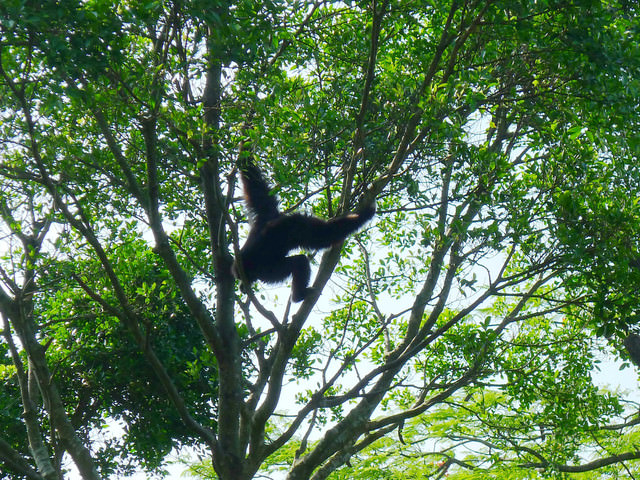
300 272
296 266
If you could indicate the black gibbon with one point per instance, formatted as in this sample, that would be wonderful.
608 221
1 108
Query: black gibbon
273 235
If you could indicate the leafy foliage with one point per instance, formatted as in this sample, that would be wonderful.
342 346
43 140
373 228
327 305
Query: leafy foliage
455 335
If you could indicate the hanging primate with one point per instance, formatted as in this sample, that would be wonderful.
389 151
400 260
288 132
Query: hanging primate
273 235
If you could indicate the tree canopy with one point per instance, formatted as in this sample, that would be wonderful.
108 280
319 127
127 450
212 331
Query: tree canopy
457 334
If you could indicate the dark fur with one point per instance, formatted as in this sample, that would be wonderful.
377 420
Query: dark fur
273 235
